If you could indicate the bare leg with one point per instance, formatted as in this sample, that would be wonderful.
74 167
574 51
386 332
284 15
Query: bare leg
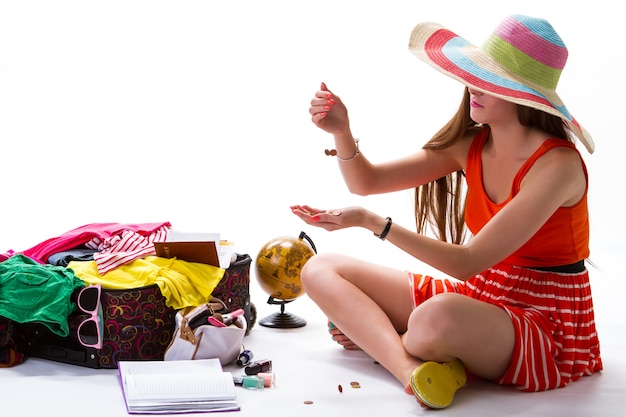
453 326
372 306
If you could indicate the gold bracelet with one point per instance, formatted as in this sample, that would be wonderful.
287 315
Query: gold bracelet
333 152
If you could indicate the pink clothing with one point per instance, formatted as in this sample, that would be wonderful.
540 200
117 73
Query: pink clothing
82 235
125 248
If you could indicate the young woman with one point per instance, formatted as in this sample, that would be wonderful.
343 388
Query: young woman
519 310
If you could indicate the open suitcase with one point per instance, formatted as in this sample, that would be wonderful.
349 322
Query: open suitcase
138 325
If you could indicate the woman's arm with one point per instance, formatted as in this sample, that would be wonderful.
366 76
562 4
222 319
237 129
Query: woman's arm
364 178
558 180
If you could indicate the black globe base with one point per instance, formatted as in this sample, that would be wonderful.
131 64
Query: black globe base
282 319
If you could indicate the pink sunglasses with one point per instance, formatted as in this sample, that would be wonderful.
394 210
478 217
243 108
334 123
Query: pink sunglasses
89 331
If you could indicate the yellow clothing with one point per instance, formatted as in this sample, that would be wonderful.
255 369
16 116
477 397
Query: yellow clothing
182 283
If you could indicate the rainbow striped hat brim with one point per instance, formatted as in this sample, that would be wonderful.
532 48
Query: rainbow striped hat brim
521 62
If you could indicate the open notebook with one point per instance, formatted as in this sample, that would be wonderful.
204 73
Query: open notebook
171 387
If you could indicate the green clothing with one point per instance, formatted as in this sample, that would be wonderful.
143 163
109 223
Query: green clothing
33 292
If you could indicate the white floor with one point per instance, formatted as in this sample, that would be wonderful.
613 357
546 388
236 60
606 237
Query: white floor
309 367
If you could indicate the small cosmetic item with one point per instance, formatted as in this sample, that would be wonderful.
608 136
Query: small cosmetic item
230 318
253 382
216 322
225 320
254 368
268 378
244 358
249 381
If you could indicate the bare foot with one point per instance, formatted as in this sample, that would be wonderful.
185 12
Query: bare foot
341 338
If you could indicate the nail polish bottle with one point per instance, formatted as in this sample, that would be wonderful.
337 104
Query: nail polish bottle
254 368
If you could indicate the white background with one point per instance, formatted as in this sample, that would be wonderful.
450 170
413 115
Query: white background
196 112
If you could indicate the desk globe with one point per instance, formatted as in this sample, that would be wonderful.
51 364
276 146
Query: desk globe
278 267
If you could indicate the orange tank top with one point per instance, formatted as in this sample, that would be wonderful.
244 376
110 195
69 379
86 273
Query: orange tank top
562 240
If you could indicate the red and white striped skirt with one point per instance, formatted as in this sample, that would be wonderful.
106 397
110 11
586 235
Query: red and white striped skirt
552 313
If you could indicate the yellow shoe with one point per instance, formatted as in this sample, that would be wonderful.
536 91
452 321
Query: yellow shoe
434 384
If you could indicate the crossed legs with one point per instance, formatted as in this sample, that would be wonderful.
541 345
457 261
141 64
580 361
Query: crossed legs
372 307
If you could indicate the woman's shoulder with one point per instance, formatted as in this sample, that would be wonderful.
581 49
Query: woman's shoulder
557 153
557 164
472 136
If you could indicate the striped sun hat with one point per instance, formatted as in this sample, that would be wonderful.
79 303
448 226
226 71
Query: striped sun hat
521 62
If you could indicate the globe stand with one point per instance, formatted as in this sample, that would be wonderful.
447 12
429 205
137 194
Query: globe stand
282 319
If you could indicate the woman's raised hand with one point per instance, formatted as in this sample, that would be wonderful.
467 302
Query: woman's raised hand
328 112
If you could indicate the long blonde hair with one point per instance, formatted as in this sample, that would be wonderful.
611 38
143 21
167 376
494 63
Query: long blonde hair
441 203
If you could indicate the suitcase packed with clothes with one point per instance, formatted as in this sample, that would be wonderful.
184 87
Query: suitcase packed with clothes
98 294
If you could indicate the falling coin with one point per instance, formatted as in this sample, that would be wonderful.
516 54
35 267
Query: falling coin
308 402
355 384
340 388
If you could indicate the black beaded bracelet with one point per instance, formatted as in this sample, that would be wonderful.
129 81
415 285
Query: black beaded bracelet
383 235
